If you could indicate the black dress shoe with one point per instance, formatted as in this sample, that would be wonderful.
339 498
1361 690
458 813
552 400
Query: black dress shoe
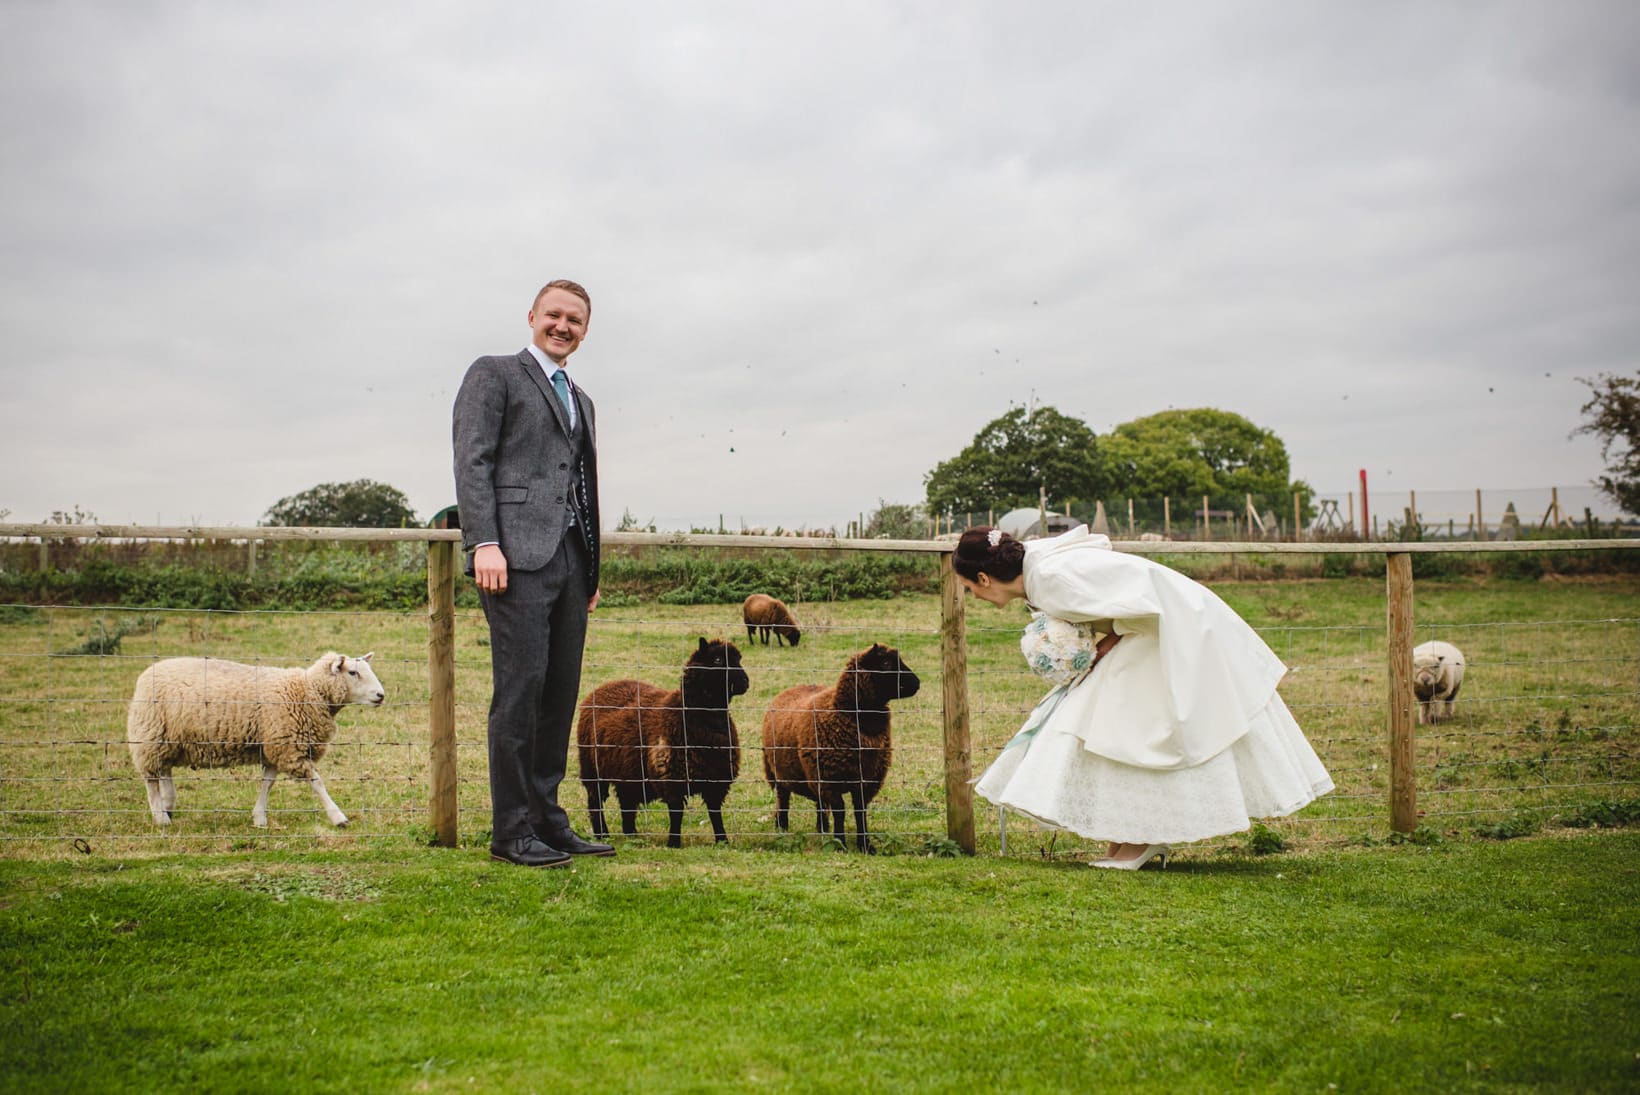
565 840
526 851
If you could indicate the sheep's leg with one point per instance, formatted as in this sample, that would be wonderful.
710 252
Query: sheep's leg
259 814
714 811
332 811
838 829
1423 713
156 799
782 808
674 824
629 809
862 836
596 792
167 793
1451 704
750 634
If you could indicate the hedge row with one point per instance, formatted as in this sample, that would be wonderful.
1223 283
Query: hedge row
345 579
328 576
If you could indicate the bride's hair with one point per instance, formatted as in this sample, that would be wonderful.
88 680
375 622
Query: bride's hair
991 551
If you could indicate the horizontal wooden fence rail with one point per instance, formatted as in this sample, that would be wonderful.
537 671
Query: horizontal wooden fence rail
441 585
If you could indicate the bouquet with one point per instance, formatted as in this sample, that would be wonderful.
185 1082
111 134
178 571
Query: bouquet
1057 650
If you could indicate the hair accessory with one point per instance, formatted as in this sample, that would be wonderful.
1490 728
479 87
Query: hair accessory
994 537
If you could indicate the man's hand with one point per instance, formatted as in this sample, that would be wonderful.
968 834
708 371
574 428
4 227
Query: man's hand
490 569
592 602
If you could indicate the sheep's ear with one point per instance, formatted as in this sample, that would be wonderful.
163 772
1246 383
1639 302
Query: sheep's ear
338 662
702 643
368 656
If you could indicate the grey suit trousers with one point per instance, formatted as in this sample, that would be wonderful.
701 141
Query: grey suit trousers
536 674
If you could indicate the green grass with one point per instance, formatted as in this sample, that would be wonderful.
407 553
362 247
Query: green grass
1548 723
1459 967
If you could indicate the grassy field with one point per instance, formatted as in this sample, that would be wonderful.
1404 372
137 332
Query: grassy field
1472 966
1547 724
218 957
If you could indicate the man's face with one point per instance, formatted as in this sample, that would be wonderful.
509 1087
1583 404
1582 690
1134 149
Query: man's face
558 322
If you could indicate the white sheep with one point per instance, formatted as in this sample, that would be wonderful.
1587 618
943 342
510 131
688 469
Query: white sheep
1437 672
211 713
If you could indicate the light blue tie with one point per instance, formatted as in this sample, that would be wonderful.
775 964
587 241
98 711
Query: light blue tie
560 384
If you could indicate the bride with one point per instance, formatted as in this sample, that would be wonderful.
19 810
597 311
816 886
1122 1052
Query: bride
1167 729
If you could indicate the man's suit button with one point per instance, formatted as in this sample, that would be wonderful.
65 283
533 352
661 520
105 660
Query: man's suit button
562 467
560 499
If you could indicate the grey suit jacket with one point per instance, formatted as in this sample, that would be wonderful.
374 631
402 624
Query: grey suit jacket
518 465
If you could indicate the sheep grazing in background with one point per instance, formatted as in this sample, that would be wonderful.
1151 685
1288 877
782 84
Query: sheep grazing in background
650 744
1437 673
824 743
763 615
211 713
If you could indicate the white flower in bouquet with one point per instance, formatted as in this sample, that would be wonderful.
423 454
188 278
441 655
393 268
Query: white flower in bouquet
1057 650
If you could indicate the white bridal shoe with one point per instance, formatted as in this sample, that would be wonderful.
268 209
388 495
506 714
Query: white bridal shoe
1151 851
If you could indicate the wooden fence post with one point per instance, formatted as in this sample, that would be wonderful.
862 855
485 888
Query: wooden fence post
1403 787
959 793
441 693
1480 522
1167 517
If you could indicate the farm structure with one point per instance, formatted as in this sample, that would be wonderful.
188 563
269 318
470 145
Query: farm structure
1549 725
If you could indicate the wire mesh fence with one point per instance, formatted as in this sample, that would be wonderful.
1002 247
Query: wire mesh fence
1546 725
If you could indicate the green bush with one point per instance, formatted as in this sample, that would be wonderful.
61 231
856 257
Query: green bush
1605 815
1262 840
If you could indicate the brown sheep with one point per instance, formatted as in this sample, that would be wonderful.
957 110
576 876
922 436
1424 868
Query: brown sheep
764 614
822 743
650 744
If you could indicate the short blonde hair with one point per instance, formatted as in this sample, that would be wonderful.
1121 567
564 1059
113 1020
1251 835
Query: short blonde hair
569 287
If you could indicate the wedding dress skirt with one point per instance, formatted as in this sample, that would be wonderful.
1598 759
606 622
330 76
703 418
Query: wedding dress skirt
1270 771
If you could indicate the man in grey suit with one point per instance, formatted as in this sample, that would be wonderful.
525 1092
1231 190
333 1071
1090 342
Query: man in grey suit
527 497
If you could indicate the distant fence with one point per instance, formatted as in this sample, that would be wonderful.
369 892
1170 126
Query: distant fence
51 712
1383 514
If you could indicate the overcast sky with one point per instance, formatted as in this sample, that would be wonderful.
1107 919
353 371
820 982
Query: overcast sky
246 249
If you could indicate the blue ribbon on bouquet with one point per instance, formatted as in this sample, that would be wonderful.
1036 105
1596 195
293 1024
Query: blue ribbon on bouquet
1038 716
1046 705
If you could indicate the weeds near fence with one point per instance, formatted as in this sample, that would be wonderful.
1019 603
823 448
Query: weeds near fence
1548 725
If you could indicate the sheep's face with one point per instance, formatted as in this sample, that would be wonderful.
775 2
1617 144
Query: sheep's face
887 675
716 664
362 685
1426 671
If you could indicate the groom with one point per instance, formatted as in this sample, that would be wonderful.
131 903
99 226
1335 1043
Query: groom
527 495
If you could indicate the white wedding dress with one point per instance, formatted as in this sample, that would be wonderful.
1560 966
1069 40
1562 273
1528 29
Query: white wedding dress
1178 734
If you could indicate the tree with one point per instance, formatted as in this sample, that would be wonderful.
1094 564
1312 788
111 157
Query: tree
895 521
1189 453
1612 414
1013 458
362 503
